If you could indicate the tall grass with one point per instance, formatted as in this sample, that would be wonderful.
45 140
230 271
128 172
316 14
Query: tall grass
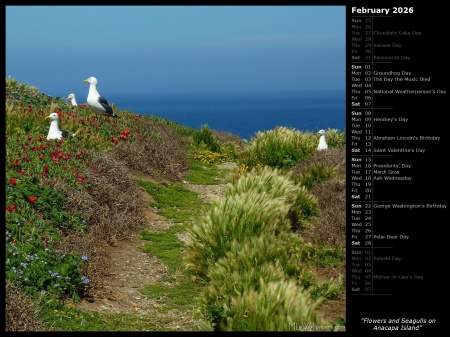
244 246
281 147
246 265
233 218
276 306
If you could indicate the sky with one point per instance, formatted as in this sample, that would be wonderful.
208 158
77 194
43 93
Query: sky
176 48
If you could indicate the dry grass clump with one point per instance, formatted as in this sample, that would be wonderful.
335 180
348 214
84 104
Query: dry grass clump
113 209
20 312
161 154
332 156
329 228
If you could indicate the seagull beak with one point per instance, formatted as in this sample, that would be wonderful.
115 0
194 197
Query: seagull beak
85 81
47 117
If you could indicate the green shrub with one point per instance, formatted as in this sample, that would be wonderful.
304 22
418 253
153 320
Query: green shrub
205 136
279 148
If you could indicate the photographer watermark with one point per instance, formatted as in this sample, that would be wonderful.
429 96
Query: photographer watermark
311 326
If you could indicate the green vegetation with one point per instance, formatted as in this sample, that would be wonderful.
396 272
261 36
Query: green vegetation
281 148
173 200
246 261
206 174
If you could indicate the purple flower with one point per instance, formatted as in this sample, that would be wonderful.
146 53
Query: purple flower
84 279
84 257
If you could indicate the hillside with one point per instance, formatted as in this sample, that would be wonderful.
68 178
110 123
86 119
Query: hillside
114 209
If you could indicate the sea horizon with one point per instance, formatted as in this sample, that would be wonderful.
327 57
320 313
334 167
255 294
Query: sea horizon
242 113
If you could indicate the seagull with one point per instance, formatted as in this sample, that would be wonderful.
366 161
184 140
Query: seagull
54 132
72 99
322 142
97 103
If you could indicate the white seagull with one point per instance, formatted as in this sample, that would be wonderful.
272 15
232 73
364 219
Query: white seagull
54 132
322 142
97 103
72 99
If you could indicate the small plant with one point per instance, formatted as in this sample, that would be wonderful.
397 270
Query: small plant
205 136
35 265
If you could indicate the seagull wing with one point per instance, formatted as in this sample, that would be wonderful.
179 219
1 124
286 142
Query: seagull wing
105 105
108 109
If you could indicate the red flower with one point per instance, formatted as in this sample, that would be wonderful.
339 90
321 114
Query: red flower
32 199
12 181
11 208
80 180
45 167
30 137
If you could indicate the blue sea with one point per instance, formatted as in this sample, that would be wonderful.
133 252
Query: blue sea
243 113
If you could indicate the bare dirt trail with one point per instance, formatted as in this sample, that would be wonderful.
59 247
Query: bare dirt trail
132 268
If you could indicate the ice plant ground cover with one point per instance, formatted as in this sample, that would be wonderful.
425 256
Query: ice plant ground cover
35 215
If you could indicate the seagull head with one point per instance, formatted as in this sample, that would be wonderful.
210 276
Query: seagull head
320 132
91 80
53 116
70 97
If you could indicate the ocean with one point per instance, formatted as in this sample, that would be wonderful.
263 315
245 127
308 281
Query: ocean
243 113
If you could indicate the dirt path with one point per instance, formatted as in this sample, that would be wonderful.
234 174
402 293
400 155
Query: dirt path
132 269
